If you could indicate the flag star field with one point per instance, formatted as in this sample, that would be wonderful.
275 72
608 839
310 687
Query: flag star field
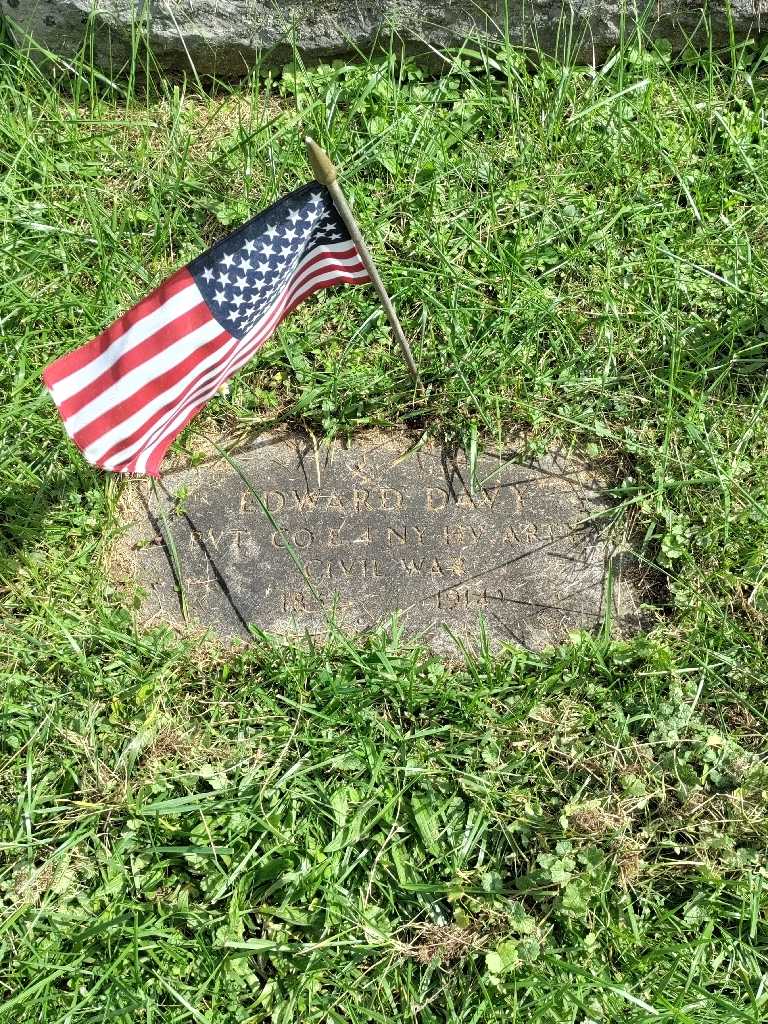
126 395
240 278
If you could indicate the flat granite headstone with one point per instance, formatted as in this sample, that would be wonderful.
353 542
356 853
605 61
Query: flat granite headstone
359 532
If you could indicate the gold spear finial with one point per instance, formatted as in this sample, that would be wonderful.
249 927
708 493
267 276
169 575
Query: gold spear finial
324 170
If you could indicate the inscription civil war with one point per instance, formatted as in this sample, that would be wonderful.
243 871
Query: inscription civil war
356 533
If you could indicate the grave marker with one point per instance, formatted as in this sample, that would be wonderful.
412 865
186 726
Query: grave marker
379 531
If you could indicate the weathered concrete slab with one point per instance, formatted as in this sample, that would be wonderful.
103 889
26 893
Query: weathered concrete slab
378 531
228 37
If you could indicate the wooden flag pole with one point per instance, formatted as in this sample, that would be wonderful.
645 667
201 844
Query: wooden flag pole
325 173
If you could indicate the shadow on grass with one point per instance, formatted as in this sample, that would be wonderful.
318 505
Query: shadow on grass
25 511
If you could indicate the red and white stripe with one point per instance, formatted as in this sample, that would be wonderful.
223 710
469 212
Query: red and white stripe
127 394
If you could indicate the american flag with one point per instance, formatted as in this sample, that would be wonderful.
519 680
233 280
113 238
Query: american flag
129 392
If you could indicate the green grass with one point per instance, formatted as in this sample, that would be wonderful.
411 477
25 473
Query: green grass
362 833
